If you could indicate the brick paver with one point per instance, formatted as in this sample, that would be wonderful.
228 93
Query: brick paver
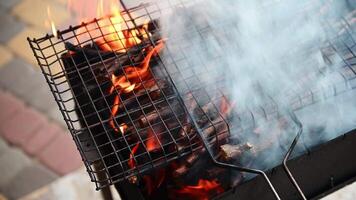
42 138
56 115
19 129
27 180
12 162
42 99
9 26
19 45
61 155
37 15
5 57
3 146
9 106
19 77
8 4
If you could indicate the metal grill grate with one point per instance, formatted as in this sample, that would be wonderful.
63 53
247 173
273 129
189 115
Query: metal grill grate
79 73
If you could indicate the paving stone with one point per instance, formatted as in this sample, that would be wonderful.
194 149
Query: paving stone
12 162
3 146
38 15
57 116
10 26
19 129
30 86
45 193
27 180
9 106
75 186
18 77
42 99
19 45
8 4
61 155
41 139
5 57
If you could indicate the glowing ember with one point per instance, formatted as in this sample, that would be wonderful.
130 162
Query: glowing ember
204 190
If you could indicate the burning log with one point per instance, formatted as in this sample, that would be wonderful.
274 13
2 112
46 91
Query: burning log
188 163
229 152
156 115
215 128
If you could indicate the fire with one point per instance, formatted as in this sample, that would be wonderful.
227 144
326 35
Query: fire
152 142
53 26
127 83
226 107
113 27
117 37
204 190
131 161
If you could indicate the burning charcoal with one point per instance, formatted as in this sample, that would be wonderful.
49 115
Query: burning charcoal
88 51
230 152
133 179
215 128
206 112
185 130
180 171
215 172
156 115
188 163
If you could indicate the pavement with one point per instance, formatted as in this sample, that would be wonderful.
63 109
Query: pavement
35 147
38 158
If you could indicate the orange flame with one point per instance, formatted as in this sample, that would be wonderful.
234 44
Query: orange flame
204 190
152 142
116 36
226 107
123 83
131 161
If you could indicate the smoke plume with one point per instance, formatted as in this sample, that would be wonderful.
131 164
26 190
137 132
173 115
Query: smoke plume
264 53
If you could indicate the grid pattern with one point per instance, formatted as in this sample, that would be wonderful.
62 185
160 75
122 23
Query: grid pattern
157 111
151 113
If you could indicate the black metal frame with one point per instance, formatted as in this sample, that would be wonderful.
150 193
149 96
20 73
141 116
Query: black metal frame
48 50
319 172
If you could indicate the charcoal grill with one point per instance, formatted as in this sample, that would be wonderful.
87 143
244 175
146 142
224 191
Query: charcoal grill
80 82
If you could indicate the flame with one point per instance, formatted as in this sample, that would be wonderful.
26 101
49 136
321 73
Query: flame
53 26
116 38
131 161
123 127
152 142
126 83
204 190
226 107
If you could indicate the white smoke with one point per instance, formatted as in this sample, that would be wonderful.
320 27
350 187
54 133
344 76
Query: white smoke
258 51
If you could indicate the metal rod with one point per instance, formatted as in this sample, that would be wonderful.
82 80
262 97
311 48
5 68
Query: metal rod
289 152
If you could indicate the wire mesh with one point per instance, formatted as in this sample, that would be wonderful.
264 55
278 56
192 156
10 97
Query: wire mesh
79 73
